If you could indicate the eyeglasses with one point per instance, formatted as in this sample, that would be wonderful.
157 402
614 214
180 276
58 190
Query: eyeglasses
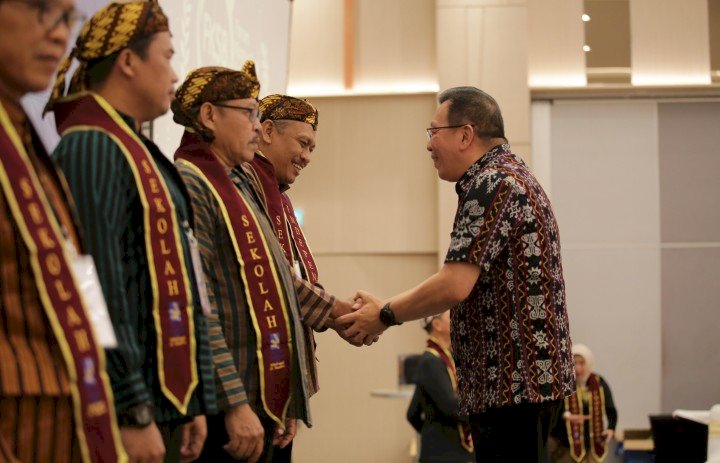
433 130
253 113
50 15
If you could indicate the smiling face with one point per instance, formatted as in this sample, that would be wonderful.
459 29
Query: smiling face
445 146
29 52
288 145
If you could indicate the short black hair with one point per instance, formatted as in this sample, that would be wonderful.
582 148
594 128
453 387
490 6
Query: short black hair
470 105
98 70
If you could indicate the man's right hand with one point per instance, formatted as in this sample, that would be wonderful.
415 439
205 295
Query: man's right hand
341 308
143 445
245 432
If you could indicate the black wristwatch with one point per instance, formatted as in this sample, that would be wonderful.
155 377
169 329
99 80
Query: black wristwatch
387 316
137 416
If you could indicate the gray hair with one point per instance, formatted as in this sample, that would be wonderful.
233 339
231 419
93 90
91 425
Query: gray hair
470 105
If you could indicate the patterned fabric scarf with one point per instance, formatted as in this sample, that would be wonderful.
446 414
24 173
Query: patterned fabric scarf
594 394
282 107
211 85
109 31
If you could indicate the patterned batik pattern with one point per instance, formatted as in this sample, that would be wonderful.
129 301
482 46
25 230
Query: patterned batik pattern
282 107
511 335
109 31
212 85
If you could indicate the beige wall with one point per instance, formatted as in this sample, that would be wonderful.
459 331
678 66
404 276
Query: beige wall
371 187
369 207
394 46
395 42
555 54
662 58
369 203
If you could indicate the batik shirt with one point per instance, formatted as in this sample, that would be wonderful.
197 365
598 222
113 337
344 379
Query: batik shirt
510 336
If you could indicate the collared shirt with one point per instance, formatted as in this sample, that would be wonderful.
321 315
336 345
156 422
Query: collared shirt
31 363
510 336
232 335
111 213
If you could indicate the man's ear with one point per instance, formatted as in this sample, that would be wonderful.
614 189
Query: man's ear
126 62
207 115
468 136
267 130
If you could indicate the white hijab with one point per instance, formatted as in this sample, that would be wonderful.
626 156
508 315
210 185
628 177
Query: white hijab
583 351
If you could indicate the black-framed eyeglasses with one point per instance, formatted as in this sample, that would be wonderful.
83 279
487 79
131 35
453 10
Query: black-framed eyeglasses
253 113
433 130
51 14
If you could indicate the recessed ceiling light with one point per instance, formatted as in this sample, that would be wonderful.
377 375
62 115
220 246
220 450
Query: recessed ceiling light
586 48
585 17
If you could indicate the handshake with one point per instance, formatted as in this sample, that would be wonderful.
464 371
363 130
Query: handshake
357 320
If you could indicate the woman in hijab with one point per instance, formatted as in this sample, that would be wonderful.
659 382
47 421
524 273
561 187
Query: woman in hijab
581 435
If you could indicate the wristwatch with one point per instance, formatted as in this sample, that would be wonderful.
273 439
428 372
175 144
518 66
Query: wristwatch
387 316
137 416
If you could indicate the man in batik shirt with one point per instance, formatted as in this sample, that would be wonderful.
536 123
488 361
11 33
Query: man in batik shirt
503 275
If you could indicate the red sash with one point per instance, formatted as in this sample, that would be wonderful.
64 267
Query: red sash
282 215
576 431
438 351
263 289
265 173
95 422
172 295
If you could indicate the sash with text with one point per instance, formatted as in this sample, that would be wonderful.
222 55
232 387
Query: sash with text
95 422
263 289
172 294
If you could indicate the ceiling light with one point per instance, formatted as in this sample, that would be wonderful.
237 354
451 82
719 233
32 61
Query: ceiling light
585 17
586 48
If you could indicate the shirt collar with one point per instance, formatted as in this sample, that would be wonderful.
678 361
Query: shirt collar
464 183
